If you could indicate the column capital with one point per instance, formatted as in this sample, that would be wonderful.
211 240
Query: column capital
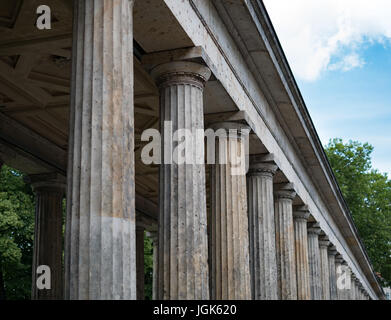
262 164
262 169
314 228
339 258
179 72
233 129
140 228
332 251
324 241
47 181
324 244
301 213
284 191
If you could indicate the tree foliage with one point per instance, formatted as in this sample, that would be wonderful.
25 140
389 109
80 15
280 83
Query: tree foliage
368 195
148 267
16 235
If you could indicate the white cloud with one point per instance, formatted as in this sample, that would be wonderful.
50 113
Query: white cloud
320 35
348 62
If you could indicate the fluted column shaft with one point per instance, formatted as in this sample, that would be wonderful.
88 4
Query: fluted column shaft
300 218
100 248
324 269
333 278
362 293
356 289
49 191
353 287
285 245
347 283
183 243
140 262
263 264
314 262
339 275
229 237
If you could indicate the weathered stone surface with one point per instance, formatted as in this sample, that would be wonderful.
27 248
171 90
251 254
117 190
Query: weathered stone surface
314 261
349 293
285 243
49 191
353 287
229 237
339 270
346 283
360 292
263 265
332 252
324 267
363 293
140 262
300 218
356 288
100 250
183 243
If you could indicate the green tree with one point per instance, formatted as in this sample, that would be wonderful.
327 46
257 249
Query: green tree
148 267
16 235
368 195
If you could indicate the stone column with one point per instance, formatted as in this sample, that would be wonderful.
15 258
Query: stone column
338 272
346 291
353 287
360 296
263 265
361 292
285 243
333 278
100 251
350 285
314 261
357 288
140 262
183 243
300 218
49 192
324 267
229 236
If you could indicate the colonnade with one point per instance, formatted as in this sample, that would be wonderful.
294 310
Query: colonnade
253 244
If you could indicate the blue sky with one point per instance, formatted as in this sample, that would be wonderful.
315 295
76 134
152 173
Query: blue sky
341 57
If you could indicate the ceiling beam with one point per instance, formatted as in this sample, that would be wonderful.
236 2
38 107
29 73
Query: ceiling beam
41 45
35 94
30 142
